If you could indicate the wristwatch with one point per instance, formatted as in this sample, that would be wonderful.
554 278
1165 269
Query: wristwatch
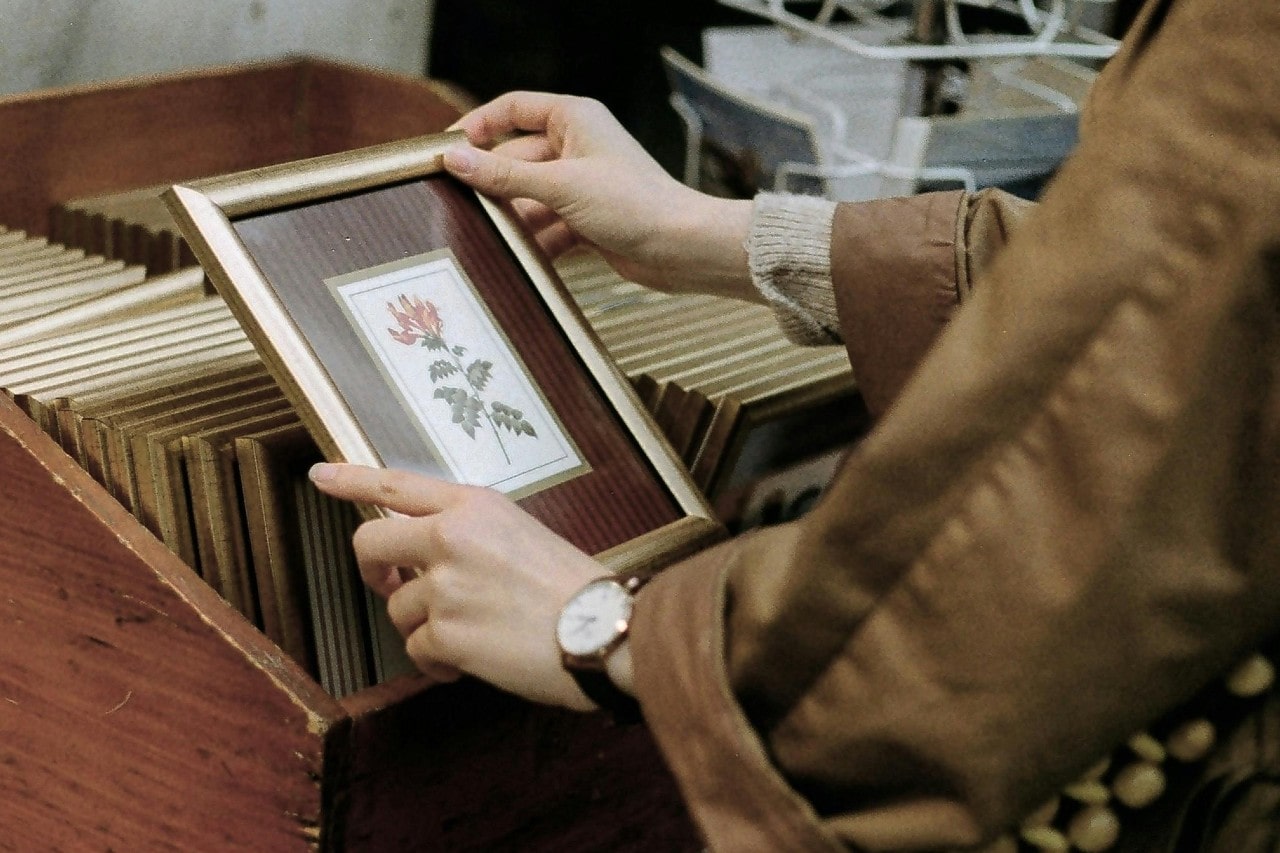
591 627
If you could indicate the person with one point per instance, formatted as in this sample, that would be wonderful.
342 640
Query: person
1065 523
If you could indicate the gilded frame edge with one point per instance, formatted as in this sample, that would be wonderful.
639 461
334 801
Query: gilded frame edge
204 211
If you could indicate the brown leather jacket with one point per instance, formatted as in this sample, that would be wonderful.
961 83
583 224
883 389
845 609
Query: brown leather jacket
1067 520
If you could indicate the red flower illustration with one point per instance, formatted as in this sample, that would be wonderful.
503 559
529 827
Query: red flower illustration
404 336
417 317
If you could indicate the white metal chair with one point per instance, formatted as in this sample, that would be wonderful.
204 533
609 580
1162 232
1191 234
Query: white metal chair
1017 122
1056 32
787 147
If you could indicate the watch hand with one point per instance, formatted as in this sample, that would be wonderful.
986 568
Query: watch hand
584 623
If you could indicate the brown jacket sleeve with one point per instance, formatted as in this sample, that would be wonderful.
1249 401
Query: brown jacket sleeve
1075 494
902 266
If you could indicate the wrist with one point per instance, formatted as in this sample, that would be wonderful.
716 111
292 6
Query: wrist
703 248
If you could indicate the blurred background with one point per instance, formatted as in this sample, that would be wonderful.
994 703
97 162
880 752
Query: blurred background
606 50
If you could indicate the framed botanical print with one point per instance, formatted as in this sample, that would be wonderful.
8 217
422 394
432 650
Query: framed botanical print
413 325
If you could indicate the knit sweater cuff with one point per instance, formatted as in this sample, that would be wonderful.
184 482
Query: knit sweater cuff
789 253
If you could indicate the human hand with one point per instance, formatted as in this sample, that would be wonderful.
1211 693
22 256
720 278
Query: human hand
486 580
575 175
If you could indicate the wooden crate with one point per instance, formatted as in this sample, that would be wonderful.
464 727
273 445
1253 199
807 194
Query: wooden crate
137 709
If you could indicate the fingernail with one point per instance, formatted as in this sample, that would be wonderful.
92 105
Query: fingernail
322 472
461 160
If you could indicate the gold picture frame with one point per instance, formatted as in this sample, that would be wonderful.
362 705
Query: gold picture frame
278 242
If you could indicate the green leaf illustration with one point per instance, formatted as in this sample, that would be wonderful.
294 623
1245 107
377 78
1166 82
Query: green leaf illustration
459 351
478 373
433 342
440 369
511 419
465 407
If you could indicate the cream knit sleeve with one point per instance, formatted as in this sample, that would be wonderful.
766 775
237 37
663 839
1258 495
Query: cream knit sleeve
789 253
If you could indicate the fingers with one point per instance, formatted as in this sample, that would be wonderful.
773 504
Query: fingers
399 491
505 177
556 239
388 550
559 126
534 148
534 215
553 234
383 580
421 648
409 611
407 607
385 546
534 112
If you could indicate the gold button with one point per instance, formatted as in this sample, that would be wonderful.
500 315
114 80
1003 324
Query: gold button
1192 741
1147 748
1253 677
1138 785
1046 838
1091 792
1098 770
1094 830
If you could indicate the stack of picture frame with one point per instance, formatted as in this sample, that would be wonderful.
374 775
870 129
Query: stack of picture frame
133 226
37 275
752 416
151 385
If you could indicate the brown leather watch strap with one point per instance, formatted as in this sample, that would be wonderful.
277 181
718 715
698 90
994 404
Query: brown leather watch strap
601 690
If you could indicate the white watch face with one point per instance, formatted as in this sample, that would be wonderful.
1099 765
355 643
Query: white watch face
594 618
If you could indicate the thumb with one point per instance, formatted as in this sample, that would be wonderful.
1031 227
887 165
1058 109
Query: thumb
500 176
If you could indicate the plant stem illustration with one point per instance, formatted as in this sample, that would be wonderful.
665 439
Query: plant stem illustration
420 324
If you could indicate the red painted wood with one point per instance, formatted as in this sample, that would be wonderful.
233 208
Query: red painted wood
89 140
137 709
466 767
341 109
